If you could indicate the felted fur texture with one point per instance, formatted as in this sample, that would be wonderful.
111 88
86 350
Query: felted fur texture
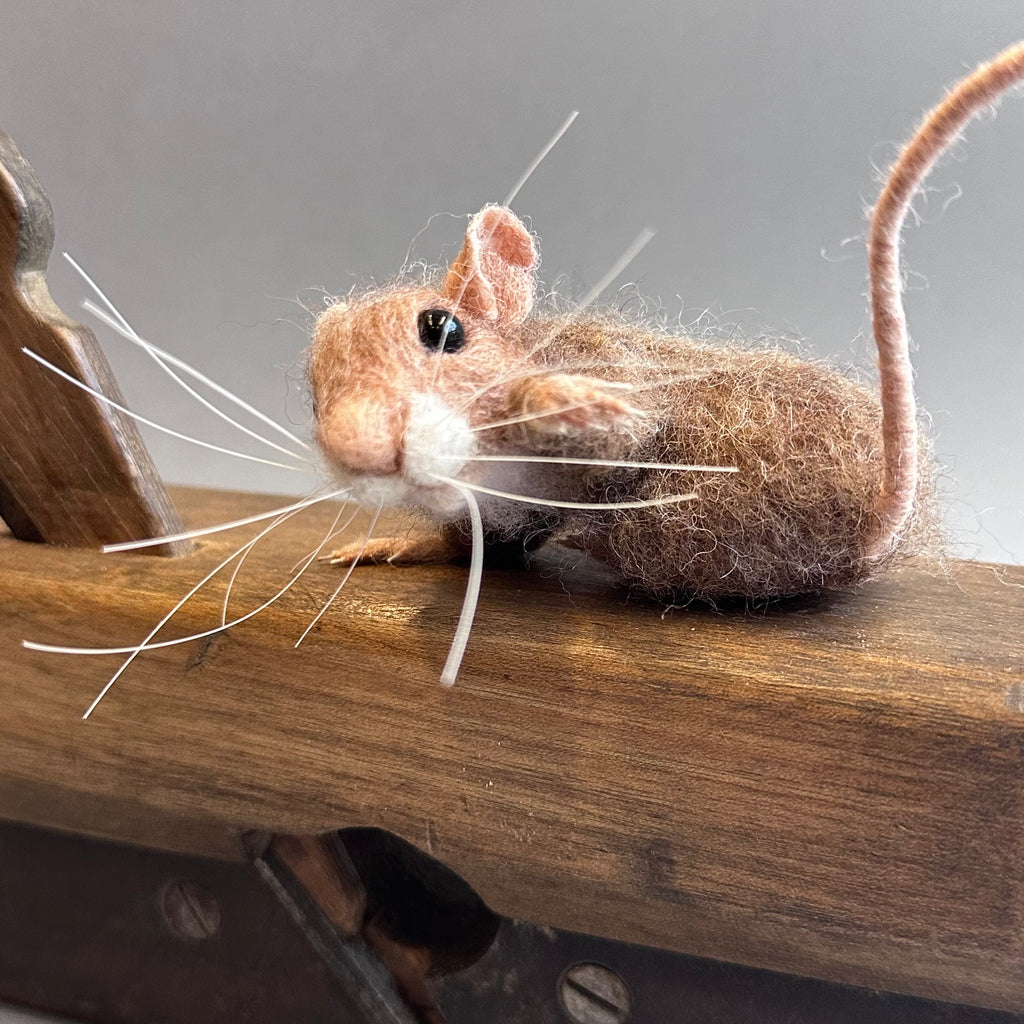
805 440
795 517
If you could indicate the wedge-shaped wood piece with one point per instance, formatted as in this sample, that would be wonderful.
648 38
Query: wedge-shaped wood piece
831 789
73 471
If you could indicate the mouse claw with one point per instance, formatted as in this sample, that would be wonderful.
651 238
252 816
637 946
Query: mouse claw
415 550
564 404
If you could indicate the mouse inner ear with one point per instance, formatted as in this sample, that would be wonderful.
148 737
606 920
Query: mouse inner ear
494 275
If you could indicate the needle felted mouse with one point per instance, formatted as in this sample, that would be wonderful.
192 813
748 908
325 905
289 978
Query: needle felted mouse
691 469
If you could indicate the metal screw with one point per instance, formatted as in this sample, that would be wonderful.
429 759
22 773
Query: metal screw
190 910
593 994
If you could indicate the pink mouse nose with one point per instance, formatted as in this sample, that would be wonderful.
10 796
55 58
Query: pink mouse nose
360 437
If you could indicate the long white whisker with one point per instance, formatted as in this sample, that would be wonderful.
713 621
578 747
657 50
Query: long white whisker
99 291
469 602
241 561
594 506
529 416
134 652
348 572
560 323
203 531
486 237
617 268
305 563
156 629
150 423
555 460
579 366
161 359
335 532
538 159
123 327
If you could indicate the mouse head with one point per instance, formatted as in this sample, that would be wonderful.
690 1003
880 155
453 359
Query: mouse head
401 376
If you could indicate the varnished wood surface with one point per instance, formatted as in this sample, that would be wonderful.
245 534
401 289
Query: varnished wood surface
832 789
72 470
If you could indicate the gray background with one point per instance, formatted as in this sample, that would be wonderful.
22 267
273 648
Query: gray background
216 167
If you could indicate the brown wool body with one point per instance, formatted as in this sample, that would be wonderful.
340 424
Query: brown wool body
829 482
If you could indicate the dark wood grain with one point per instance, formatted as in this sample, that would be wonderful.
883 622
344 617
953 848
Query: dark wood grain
832 789
72 470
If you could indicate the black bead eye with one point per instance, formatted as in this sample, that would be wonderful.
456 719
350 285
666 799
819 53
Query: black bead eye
440 331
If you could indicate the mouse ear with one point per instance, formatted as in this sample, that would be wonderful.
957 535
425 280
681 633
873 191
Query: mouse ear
493 275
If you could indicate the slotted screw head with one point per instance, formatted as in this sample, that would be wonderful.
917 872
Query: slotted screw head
190 910
593 994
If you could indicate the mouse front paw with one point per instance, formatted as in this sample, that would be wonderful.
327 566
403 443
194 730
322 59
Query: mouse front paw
411 550
565 404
